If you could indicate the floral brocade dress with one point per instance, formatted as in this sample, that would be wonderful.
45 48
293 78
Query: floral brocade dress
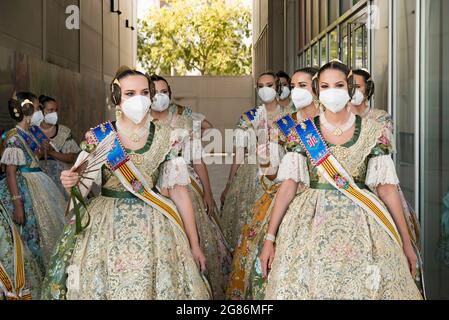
212 241
245 187
327 246
33 276
129 251
64 143
244 282
43 202
410 215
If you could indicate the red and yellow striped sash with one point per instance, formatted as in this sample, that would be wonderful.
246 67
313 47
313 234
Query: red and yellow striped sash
355 193
127 173
17 293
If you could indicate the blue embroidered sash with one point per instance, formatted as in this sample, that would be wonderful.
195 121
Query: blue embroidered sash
28 140
285 125
38 135
251 114
330 169
130 177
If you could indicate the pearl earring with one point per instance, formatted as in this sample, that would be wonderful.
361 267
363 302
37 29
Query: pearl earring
118 113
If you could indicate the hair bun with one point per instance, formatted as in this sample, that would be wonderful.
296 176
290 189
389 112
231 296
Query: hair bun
336 60
121 70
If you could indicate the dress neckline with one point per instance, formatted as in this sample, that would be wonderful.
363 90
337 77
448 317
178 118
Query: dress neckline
147 145
352 141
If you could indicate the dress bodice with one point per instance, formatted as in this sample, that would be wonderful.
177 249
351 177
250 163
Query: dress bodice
148 159
371 139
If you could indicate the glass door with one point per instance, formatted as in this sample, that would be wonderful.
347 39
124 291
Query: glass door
435 144
404 91
344 43
359 41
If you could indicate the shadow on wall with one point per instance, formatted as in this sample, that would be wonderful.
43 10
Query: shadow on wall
82 100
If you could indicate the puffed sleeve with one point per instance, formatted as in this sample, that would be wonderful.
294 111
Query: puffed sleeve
173 172
276 154
381 169
13 155
240 138
294 167
198 116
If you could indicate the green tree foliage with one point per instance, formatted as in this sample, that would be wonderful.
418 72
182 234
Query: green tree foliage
204 35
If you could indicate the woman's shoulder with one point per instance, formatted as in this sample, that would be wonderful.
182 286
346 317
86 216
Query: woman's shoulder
247 118
64 130
180 110
380 133
12 138
380 115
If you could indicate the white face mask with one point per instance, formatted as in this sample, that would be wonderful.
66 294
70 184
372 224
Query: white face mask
266 94
51 118
358 98
301 98
285 93
37 118
136 108
161 102
335 99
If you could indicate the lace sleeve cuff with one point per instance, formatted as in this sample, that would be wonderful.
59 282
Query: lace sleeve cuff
198 116
294 167
241 140
13 157
276 154
381 170
173 172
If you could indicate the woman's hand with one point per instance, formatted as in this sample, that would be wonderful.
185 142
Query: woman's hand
411 258
209 202
40 152
48 148
69 178
19 214
266 257
224 194
199 258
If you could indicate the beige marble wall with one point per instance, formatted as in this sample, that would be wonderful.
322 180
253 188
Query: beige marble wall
39 54
221 99
81 98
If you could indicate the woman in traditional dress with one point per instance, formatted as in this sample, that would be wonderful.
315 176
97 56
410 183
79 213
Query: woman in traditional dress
212 241
30 196
285 100
244 282
365 88
243 187
141 240
61 149
20 277
337 239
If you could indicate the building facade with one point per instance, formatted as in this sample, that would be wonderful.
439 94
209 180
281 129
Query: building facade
404 43
67 49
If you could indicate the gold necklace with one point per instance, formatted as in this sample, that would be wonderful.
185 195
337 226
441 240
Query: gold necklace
337 131
134 136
